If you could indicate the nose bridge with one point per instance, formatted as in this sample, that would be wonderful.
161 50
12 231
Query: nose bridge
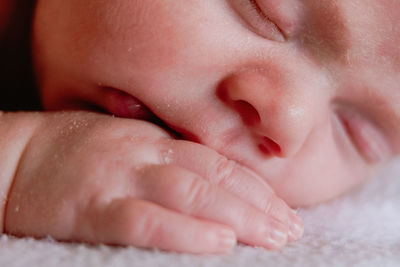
282 111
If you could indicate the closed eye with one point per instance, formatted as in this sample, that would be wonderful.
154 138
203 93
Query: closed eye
254 16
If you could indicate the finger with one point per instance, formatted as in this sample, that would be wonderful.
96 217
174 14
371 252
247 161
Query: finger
217 169
296 227
232 176
184 191
144 224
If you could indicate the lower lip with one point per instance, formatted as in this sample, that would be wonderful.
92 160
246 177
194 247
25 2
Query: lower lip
124 105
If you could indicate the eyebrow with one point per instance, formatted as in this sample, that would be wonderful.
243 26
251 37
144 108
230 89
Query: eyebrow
329 30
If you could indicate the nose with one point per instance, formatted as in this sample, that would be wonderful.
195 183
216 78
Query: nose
280 116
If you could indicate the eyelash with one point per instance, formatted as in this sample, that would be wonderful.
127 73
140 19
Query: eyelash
259 21
257 8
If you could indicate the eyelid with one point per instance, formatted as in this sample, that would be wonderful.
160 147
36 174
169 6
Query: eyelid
253 15
261 11
288 15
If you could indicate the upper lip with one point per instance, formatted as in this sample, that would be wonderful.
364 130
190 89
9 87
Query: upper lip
184 134
180 132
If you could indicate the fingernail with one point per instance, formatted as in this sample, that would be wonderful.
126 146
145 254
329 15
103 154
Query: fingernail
226 240
277 236
296 227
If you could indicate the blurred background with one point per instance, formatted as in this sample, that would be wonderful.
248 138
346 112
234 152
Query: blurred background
18 90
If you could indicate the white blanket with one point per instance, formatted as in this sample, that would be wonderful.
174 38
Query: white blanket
360 229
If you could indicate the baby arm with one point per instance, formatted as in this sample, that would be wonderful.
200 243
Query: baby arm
98 179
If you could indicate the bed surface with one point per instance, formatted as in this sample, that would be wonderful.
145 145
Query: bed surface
360 229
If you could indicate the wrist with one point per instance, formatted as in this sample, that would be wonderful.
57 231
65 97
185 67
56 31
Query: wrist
16 130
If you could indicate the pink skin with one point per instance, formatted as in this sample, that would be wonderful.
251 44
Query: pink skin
307 101
201 67
101 179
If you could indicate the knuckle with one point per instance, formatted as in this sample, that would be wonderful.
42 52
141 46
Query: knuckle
269 203
145 228
198 195
222 171
250 219
165 150
277 208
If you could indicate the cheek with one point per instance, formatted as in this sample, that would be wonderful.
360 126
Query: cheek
166 57
145 34
322 171
181 39
139 46
119 43
112 32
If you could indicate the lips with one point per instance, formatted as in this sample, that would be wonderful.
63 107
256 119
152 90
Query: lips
124 105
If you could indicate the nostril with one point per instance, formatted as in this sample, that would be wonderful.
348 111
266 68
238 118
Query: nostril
248 113
268 146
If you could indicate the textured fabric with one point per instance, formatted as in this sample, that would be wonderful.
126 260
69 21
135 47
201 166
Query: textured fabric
360 229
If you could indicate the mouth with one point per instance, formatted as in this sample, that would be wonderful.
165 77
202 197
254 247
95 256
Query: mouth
124 105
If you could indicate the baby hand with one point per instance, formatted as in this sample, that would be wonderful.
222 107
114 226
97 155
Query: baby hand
98 179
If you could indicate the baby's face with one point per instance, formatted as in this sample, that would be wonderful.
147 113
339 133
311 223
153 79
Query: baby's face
304 92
